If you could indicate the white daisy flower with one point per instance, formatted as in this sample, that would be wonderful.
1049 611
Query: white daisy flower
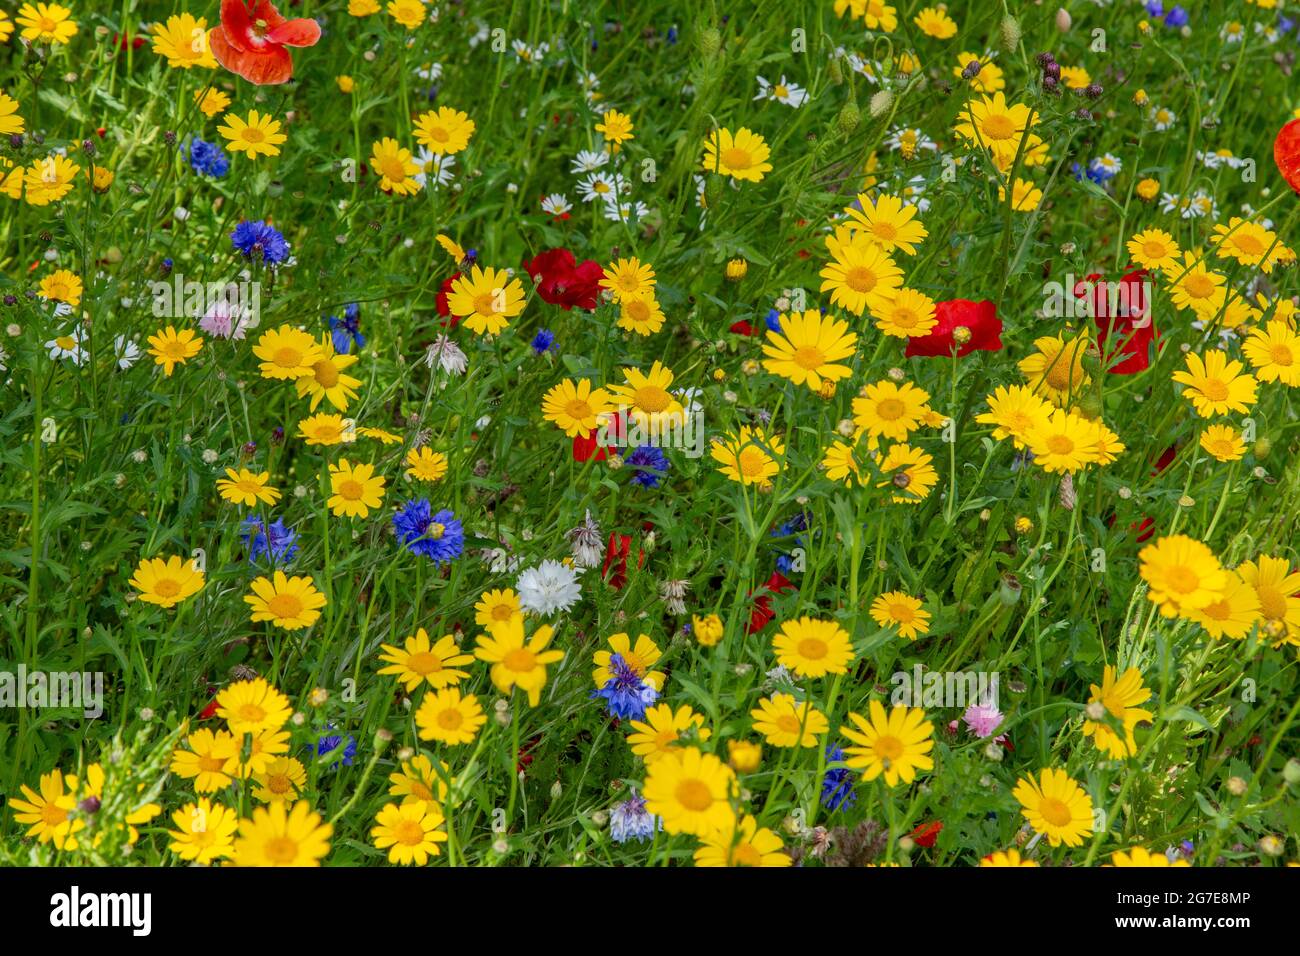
603 186
1232 32
1163 118
69 347
126 352
908 140
625 211
549 587
556 204
429 71
783 92
588 161
435 168
1107 163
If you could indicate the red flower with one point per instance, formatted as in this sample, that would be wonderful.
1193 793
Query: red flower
1286 153
209 710
589 446
926 833
979 319
562 281
616 555
440 300
251 43
762 612
1131 325
122 41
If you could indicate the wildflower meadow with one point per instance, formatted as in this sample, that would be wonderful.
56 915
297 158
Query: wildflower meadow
799 433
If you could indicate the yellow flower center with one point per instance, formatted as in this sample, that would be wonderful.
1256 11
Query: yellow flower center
1272 603
578 410
1199 285
1154 249
279 783
408 832
884 230
1215 389
327 376
66 342
211 764
789 723
901 613
1054 811
746 855
284 606
1281 354
1060 444
439 134
637 310
435 531
53 815
998 126
694 795
485 304
251 713
736 158
286 356
450 719
252 134
280 849
890 409
860 279
418 789
352 490
1248 243
1182 580
813 648
392 169
166 587
424 662
1060 374
751 462
652 398
809 357
521 660
888 748
502 612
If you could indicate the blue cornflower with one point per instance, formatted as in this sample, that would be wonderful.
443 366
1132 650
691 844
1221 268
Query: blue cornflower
797 524
650 463
626 692
630 821
260 238
773 319
280 543
1098 171
837 785
672 34
1177 17
207 159
346 332
331 743
1155 8
438 537
543 341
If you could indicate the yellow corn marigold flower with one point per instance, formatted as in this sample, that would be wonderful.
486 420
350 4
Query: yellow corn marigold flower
170 348
183 41
783 723
742 156
444 131
895 744
517 660
660 733
278 836
259 135
750 456
691 792
425 464
486 300
409 832
167 582
616 127
744 844
287 353
290 603
901 610
813 648
808 349
247 488
46 23
395 167
356 489
1140 856
576 408
205 832
1056 807
1182 574
1120 696
420 660
1216 385
61 286
448 717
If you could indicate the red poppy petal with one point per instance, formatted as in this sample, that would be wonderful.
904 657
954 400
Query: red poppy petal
236 24
1286 153
302 32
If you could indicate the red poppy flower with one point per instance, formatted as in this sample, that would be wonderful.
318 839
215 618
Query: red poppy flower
1286 153
616 555
210 710
251 43
123 41
762 612
440 300
979 319
1129 331
588 446
743 327
562 281
926 833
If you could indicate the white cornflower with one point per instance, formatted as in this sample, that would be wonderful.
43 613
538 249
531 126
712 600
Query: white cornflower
673 594
549 587
585 541
446 354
